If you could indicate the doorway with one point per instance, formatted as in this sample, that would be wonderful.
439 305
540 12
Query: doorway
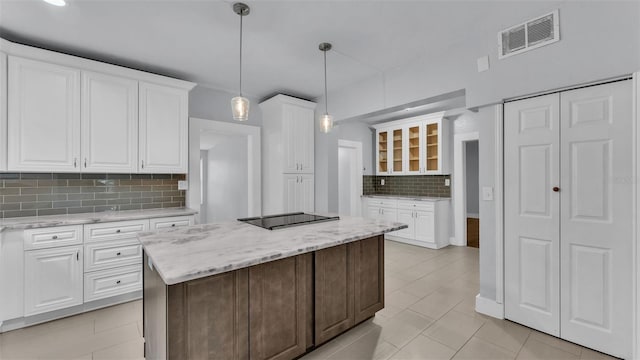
224 170
472 193
349 178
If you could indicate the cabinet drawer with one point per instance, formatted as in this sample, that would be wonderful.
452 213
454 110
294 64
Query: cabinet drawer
170 222
52 237
390 203
115 230
416 205
111 254
107 283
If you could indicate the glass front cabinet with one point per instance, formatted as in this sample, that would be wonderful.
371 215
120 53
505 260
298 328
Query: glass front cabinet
415 146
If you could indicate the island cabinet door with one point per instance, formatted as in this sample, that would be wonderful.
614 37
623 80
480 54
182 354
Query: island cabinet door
368 262
278 308
334 292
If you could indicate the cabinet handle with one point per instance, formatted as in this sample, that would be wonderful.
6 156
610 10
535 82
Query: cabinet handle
118 231
143 164
75 162
173 225
118 253
54 237
118 282
77 255
85 162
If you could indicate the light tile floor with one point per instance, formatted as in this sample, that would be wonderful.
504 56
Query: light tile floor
429 314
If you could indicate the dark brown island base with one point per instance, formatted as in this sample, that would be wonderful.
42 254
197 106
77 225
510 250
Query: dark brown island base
275 310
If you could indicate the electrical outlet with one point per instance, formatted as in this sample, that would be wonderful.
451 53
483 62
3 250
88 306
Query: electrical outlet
183 185
381 181
447 182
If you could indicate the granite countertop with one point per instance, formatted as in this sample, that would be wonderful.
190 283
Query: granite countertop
202 250
408 197
33 222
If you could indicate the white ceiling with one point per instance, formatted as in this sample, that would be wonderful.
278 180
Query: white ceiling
197 40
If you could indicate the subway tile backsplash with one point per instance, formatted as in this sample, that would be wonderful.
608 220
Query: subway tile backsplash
415 185
36 194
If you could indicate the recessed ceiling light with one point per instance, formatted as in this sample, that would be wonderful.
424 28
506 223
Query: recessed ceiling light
56 2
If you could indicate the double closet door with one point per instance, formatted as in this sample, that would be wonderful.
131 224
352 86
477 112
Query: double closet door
569 215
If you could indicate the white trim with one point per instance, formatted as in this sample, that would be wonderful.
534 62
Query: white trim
411 120
473 215
459 191
425 244
196 126
499 202
489 307
357 145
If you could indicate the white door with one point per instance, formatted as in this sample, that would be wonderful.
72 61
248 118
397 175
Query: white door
596 215
307 193
290 139
406 217
163 129
425 226
532 218
44 117
53 279
290 193
109 124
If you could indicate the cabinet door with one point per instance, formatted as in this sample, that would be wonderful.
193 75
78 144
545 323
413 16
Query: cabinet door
109 123
289 139
305 148
433 147
3 111
368 276
53 279
414 158
383 155
307 193
425 226
278 308
406 217
373 212
291 193
397 146
333 292
389 214
44 117
163 129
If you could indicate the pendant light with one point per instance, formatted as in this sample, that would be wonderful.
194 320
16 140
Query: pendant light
240 104
326 120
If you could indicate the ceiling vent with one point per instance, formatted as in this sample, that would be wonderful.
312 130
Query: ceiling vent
529 35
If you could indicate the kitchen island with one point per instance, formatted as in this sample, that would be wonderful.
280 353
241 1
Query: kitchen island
236 291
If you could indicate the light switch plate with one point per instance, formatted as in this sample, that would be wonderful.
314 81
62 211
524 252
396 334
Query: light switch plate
183 185
381 181
483 63
487 193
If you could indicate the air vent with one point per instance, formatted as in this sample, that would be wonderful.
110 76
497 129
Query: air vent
529 35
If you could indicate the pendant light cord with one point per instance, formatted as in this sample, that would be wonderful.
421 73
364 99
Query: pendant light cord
241 16
326 99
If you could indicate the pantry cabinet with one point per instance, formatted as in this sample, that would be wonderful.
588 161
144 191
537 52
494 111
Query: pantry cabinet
164 114
415 146
43 117
109 140
3 111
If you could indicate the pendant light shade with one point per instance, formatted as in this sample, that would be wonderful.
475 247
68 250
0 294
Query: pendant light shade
240 104
326 120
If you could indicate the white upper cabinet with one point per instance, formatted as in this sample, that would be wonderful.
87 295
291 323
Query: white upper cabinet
297 127
163 129
415 146
44 116
3 111
109 123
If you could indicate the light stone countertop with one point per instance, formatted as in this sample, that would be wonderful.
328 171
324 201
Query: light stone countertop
202 250
33 222
408 197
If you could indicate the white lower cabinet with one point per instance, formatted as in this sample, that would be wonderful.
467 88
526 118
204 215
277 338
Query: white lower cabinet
427 220
53 279
299 193
106 283
170 222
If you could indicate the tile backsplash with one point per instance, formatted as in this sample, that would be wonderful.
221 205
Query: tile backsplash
414 185
31 194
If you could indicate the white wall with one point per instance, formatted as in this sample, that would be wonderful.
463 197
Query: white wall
227 174
471 177
598 39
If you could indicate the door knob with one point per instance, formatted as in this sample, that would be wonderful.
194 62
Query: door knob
556 189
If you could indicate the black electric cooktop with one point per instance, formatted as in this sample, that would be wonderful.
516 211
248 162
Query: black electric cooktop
280 221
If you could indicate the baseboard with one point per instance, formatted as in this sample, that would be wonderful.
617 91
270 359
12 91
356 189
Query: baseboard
489 307
473 216
429 245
